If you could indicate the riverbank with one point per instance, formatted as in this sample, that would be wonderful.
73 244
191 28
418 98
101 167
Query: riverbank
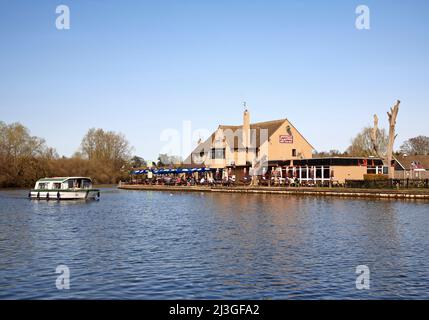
337 192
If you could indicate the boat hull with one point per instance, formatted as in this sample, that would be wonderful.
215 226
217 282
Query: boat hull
92 194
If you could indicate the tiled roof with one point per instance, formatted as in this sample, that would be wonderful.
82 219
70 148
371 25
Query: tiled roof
270 126
413 162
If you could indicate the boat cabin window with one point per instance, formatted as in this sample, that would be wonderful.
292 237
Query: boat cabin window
79 184
42 185
72 184
57 185
86 184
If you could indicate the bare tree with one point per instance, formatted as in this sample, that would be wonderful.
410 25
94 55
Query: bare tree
137 162
374 135
168 160
106 147
24 158
416 146
21 155
392 115
330 153
367 143
387 157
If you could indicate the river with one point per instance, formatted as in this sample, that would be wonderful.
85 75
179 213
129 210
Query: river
162 245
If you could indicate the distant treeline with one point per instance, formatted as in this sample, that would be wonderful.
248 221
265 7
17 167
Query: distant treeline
103 156
362 146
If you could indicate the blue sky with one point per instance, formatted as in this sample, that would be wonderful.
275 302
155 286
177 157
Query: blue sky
139 67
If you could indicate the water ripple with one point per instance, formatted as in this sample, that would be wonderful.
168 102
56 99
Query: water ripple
153 245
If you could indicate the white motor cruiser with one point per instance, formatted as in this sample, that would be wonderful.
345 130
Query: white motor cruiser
64 188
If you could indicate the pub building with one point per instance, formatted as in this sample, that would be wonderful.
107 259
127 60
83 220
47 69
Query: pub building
275 148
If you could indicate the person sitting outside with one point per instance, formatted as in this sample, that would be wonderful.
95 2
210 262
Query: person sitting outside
292 182
210 181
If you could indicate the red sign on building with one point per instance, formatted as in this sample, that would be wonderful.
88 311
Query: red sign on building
286 139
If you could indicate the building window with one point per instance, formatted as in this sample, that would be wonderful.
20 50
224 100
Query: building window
218 153
293 152
318 172
326 173
376 170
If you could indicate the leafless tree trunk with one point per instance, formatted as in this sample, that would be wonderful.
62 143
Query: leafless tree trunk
387 159
392 114
374 137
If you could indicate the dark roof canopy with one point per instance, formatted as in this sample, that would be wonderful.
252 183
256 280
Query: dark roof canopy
339 161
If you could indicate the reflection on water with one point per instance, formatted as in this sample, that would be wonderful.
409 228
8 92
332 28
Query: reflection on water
157 245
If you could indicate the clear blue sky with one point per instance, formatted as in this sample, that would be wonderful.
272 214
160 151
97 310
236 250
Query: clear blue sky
139 67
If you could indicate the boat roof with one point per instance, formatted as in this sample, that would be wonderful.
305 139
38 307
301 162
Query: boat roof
61 179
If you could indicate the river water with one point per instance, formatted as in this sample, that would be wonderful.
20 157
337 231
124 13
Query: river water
162 245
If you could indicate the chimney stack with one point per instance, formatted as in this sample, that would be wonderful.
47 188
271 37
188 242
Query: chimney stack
246 128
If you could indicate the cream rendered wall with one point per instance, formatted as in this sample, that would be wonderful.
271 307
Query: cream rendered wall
240 158
342 173
231 155
219 143
275 149
283 151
